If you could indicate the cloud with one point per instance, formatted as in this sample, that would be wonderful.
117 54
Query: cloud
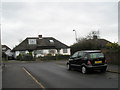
57 19
60 0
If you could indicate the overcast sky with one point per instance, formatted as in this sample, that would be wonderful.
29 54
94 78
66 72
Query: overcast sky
58 19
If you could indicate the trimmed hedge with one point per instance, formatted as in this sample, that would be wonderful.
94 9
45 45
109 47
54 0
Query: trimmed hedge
26 57
57 57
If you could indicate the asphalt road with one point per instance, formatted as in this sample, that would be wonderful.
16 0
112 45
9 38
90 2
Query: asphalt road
55 75
13 76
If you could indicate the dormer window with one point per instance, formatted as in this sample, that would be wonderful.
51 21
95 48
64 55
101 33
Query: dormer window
32 41
51 41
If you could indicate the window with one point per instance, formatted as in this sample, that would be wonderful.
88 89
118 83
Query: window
81 54
32 41
96 55
52 51
51 41
75 55
65 51
86 57
4 48
40 51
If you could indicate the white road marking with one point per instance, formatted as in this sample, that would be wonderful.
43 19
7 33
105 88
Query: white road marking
41 86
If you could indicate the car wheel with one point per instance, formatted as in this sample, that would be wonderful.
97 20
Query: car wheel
69 66
84 70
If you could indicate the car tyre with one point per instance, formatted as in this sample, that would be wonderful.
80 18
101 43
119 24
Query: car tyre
84 70
69 66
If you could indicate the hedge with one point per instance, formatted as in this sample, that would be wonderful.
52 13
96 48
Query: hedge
57 57
112 57
26 57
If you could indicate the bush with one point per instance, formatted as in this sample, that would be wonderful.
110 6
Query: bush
19 57
57 57
85 44
113 47
25 57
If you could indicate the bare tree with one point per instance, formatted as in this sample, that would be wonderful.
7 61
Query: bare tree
93 34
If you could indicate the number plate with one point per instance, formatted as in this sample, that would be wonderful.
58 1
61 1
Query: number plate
97 62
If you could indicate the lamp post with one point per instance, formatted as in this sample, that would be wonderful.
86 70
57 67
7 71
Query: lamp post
0 49
75 35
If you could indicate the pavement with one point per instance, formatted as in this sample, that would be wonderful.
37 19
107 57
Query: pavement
113 68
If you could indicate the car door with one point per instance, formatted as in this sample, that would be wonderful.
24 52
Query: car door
79 59
73 59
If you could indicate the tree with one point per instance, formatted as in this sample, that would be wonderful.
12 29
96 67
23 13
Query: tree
93 35
90 42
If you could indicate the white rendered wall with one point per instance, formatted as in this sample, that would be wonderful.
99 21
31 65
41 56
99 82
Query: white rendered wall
68 52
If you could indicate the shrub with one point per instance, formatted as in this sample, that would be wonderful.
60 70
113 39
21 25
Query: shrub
56 57
25 57
113 47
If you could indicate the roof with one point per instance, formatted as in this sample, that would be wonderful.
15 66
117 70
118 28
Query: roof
41 43
5 48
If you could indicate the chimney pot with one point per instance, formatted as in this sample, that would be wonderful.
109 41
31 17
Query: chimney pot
40 36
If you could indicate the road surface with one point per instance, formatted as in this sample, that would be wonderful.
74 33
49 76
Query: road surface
55 75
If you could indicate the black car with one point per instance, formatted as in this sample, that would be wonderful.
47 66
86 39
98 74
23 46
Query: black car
87 61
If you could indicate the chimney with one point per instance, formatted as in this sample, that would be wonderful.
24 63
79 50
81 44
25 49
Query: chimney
95 37
40 36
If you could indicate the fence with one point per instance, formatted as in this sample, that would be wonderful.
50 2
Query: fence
112 57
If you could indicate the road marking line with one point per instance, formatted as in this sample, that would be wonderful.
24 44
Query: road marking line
34 79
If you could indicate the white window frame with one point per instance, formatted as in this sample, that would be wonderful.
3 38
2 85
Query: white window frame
32 41
65 50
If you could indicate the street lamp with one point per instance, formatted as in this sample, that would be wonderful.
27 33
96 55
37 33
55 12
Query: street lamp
75 35
0 50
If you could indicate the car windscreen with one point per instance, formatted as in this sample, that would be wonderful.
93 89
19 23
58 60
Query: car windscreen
96 55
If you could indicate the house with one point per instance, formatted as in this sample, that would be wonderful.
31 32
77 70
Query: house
41 46
6 52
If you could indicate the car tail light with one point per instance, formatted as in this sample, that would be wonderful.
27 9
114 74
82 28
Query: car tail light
88 62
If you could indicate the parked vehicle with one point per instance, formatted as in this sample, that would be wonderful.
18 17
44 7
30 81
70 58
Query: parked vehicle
87 61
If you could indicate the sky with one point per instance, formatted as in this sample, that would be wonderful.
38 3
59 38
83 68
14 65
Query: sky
57 19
